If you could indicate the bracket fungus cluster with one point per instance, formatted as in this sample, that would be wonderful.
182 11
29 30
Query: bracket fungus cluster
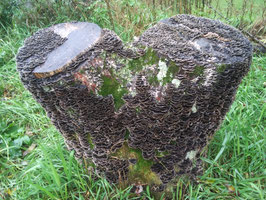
141 112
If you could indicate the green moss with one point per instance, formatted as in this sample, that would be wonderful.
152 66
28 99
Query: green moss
138 64
138 109
153 80
141 171
90 141
82 71
151 57
135 65
198 71
113 87
176 168
221 68
127 134
118 89
71 112
161 154
173 142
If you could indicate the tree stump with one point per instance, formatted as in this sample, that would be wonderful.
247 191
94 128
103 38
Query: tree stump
141 112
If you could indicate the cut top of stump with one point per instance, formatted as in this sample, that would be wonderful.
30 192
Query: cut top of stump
80 36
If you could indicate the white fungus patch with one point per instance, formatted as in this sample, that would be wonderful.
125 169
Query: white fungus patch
176 82
209 76
163 71
191 155
126 74
194 107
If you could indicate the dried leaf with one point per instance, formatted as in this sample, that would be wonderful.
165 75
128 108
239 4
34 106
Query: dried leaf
24 163
87 195
207 181
30 149
230 188
139 189
9 192
29 133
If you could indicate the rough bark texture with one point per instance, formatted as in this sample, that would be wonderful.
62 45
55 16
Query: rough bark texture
144 112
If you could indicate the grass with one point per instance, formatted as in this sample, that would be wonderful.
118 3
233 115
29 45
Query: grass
234 167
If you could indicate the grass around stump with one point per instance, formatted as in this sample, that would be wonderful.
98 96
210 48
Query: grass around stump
34 163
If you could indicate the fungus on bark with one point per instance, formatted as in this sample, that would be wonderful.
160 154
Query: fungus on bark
142 113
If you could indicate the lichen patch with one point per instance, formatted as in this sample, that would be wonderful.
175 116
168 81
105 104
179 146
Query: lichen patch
191 155
163 71
139 169
176 82
194 108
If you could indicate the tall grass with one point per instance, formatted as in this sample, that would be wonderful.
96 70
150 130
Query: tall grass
234 167
131 14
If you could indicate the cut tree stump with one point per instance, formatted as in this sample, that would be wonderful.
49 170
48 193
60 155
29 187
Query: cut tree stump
79 37
142 113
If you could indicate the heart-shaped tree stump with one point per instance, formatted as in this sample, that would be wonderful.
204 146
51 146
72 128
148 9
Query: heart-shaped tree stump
142 113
